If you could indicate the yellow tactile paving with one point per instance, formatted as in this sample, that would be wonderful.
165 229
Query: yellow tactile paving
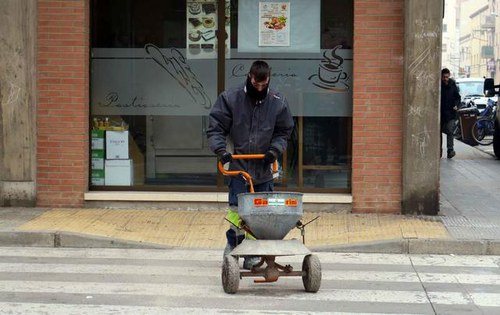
206 229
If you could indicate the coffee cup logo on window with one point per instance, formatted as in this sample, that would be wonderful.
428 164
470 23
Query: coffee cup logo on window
331 74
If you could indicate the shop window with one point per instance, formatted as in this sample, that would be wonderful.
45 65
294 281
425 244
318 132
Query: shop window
155 73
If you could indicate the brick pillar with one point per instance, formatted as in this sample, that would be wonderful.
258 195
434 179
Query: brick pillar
377 105
63 101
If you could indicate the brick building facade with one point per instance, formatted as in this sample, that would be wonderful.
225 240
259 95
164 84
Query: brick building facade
63 51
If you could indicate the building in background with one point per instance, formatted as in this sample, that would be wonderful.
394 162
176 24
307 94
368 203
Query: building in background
451 35
477 24
495 12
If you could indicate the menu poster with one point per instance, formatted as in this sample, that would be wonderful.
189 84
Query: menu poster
274 23
201 37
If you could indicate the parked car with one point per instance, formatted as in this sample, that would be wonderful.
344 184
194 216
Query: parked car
472 89
491 89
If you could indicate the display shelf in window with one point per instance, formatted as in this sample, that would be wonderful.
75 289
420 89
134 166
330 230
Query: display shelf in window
109 123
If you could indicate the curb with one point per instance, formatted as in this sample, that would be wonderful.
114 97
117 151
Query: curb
35 239
70 240
419 246
478 146
397 246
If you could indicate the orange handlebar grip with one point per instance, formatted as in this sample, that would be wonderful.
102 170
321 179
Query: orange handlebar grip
247 156
255 156
237 173
242 173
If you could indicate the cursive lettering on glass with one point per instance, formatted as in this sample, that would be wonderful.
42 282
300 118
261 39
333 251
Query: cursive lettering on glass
240 70
112 99
176 66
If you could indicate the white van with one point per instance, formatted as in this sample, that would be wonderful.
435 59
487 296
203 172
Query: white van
471 89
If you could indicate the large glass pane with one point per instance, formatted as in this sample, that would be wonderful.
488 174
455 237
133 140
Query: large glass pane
153 82
310 53
154 77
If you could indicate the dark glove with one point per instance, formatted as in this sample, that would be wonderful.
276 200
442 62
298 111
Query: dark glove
270 157
224 157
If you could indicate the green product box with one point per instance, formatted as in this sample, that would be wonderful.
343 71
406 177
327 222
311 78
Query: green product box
97 159
97 177
97 173
97 139
98 154
97 134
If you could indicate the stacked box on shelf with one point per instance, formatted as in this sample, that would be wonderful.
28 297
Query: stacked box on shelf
118 167
97 177
97 160
117 145
97 157
97 139
119 173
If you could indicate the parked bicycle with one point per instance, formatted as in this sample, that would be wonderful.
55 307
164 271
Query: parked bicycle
484 128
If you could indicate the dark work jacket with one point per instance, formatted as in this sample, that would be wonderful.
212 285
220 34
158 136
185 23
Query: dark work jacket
252 127
449 99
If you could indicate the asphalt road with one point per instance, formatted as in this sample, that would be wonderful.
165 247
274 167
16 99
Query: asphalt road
145 281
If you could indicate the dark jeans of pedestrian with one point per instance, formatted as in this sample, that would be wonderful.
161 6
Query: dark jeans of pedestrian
447 128
237 187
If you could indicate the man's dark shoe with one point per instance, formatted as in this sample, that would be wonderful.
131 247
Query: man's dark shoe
451 154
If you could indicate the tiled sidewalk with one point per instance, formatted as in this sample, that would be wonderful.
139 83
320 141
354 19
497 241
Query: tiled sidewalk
206 229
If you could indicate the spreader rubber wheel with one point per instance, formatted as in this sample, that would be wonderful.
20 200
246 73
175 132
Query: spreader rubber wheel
311 269
230 274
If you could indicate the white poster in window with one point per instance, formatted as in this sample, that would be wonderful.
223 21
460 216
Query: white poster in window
201 36
274 24
304 38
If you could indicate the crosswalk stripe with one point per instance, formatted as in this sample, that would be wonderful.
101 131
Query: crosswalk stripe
457 298
163 254
167 280
206 255
193 270
391 276
207 291
486 299
483 279
110 269
216 255
55 309
455 261
212 291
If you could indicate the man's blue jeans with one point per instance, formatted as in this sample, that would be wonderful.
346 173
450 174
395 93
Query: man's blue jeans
447 128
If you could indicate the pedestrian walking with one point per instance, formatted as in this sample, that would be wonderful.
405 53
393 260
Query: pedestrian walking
254 119
450 100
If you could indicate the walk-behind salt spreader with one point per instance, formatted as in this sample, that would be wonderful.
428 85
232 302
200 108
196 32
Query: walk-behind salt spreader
268 217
